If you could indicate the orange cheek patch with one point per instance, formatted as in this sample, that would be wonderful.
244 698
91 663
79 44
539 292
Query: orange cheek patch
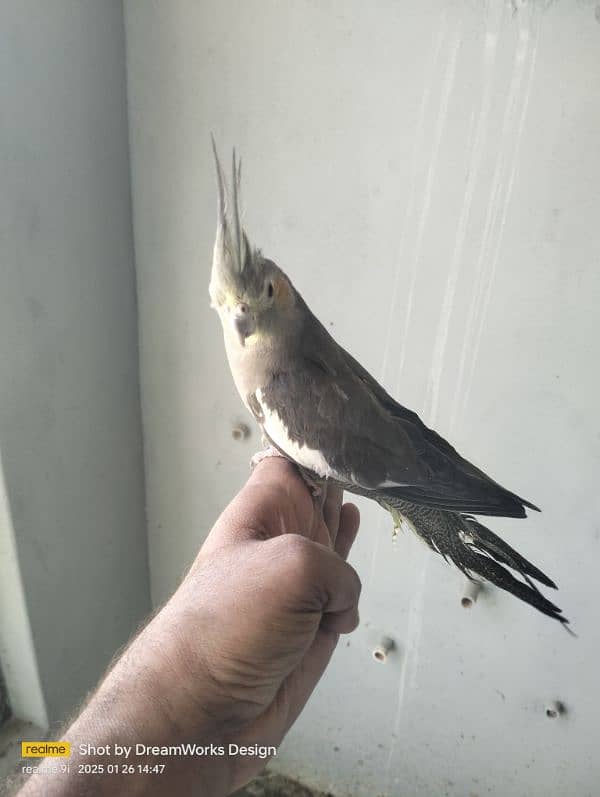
283 293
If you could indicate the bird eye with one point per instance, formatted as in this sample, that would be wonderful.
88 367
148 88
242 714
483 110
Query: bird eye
270 290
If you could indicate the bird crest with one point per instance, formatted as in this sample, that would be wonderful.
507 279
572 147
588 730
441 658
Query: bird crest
233 252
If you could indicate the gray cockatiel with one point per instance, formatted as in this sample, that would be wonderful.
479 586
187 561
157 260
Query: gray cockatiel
321 409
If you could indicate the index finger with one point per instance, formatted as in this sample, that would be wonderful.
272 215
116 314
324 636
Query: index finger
274 501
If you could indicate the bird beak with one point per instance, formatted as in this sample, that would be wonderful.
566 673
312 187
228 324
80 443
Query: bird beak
243 322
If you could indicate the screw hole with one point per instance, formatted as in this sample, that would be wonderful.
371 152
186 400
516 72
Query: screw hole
470 593
240 432
554 710
380 653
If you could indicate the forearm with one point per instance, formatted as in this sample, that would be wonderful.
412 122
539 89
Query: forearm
112 740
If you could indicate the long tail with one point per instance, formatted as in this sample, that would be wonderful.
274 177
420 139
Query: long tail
478 552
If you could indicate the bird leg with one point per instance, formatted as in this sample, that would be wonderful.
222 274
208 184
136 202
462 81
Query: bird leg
315 487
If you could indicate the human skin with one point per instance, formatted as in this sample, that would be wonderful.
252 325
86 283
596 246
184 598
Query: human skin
235 653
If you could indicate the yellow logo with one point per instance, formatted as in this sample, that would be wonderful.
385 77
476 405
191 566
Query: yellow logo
46 749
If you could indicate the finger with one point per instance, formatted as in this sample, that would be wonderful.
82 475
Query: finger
341 622
277 470
348 529
301 683
317 580
331 510
273 501
339 585
285 494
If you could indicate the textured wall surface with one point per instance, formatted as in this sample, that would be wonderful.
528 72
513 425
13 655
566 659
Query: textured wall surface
70 432
428 175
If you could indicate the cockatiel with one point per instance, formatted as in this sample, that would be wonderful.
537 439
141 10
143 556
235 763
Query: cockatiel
321 409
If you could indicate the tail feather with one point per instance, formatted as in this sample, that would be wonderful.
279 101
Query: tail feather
478 552
483 554
501 577
502 552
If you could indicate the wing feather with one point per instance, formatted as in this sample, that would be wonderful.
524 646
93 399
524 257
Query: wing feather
330 403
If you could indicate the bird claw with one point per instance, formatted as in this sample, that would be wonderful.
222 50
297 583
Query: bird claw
315 488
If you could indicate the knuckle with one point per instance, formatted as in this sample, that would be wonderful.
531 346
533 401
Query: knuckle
357 582
352 582
298 553
294 560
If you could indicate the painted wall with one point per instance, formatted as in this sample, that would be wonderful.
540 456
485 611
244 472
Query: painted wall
70 432
428 175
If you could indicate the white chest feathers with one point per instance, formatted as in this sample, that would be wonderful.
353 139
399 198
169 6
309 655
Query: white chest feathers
302 454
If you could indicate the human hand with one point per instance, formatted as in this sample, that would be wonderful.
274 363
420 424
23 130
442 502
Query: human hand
234 654
259 613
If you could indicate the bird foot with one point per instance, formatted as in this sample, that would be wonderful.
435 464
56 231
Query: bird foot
269 451
397 520
315 487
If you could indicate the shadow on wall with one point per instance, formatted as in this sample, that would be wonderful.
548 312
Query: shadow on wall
5 711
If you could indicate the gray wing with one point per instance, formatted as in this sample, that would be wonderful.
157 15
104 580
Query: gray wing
329 402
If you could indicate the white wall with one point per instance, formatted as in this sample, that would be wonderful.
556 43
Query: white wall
70 431
428 175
